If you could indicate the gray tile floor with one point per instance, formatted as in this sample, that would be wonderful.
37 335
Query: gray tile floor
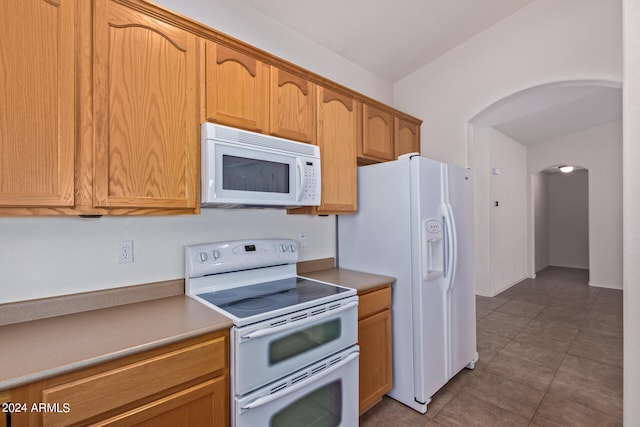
550 355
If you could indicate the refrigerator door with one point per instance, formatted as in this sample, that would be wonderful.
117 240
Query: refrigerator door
414 224
429 285
377 239
459 202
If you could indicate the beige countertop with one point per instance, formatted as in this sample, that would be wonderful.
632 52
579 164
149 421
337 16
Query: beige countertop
40 349
360 281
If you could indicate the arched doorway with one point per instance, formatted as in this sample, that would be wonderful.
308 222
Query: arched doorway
575 122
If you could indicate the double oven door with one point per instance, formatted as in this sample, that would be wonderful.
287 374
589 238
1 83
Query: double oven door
269 350
324 394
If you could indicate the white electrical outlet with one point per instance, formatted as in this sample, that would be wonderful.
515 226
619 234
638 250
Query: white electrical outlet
125 251
303 240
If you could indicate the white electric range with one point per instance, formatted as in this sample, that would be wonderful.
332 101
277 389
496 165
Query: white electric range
293 344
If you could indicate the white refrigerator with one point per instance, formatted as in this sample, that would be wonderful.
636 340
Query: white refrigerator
414 223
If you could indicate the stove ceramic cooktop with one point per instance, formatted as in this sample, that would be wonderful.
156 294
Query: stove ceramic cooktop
253 300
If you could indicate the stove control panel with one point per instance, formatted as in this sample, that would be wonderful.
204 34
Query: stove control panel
236 255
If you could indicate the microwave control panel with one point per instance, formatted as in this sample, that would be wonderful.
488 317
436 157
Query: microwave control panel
311 186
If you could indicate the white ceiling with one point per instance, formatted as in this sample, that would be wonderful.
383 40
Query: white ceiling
390 38
393 38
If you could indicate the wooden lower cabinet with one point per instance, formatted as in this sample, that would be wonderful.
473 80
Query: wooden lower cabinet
186 383
5 398
200 405
374 339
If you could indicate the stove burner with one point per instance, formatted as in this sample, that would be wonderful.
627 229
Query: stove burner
251 304
309 292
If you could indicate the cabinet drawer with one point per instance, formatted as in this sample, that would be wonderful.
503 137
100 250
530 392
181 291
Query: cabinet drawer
374 302
202 405
102 392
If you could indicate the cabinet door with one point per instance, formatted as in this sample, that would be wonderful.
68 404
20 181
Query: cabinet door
37 103
406 136
237 89
205 404
146 111
377 134
338 133
292 109
374 339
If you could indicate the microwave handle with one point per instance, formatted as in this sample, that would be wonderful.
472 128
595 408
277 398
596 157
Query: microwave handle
301 180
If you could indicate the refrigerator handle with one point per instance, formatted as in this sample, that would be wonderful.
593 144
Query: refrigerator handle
445 227
449 241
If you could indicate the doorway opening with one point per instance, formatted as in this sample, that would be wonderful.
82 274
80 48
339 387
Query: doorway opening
560 202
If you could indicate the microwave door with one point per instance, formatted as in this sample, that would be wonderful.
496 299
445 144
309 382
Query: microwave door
245 176
263 176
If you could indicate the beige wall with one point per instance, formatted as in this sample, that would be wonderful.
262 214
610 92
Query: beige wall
547 41
500 231
44 257
600 151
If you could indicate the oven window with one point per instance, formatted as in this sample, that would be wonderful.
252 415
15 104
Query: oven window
305 340
244 174
320 408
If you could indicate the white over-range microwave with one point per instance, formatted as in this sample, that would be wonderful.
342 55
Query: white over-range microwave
248 169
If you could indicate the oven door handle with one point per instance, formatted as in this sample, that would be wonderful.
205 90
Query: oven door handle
263 332
261 401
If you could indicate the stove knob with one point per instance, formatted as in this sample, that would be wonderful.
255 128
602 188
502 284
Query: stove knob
283 248
203 257
215 254
292 248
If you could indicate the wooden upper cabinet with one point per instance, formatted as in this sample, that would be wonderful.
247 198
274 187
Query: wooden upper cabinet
338 134
237 92
37 99
292 107
338 137
147 139
406 136
377 134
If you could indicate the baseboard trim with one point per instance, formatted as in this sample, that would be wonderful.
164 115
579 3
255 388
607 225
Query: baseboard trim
605 286
493 294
